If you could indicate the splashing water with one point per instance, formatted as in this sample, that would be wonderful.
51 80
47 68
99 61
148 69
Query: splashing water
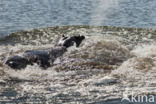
108 61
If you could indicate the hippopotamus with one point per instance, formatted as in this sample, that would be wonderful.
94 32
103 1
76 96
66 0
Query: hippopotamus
45 57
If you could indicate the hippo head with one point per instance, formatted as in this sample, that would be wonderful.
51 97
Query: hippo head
16 62
69 41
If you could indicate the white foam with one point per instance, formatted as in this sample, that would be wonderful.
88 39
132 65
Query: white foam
145 51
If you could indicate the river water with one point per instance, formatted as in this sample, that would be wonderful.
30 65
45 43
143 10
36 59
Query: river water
112 61
27 14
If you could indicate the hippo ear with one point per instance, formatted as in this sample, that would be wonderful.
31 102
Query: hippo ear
63 36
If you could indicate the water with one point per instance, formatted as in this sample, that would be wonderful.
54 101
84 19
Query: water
27 14
111 62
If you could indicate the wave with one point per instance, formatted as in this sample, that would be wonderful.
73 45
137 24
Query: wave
49 34
110 60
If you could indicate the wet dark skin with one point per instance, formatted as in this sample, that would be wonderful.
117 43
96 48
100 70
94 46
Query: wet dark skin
44 58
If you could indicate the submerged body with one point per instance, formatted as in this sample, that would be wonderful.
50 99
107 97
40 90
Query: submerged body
44 58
